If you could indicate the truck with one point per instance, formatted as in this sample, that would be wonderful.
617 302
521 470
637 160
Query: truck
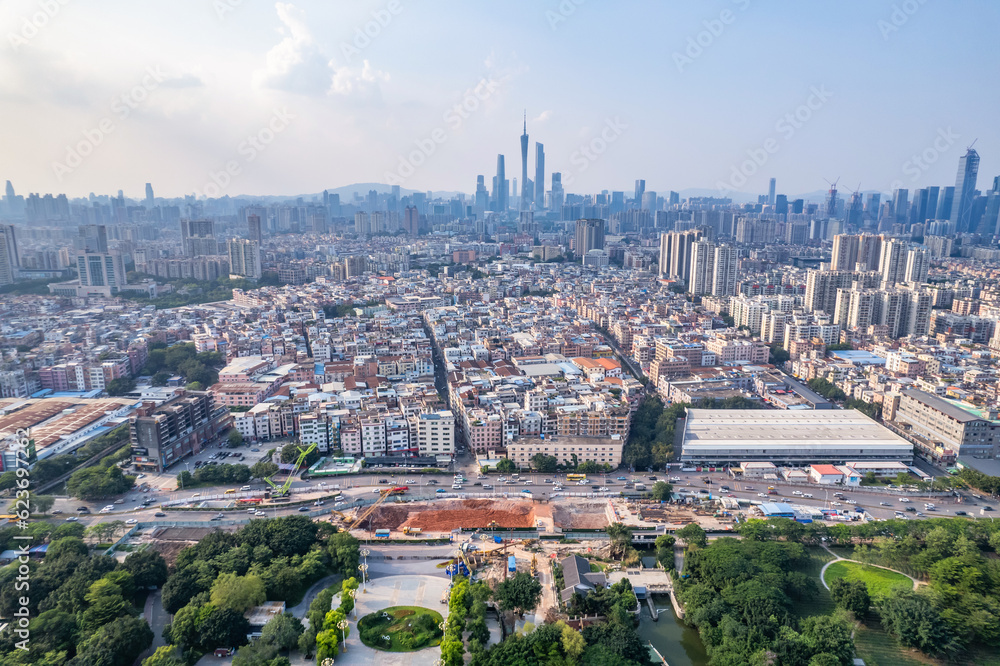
412 531
399 490
511 564
381 534
497 539
640 486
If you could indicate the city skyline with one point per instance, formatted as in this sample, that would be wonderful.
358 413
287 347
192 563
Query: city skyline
332 105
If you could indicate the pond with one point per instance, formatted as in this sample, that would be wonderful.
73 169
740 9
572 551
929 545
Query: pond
679 644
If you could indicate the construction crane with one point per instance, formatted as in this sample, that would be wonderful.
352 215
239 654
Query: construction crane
282 490
383 495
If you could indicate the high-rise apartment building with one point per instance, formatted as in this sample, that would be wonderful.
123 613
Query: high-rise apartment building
198 238
500 187
675 253
255 229
93 238
161 435
589 236
539 176
9 259
244 259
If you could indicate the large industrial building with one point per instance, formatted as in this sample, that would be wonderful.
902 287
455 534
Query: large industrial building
789 437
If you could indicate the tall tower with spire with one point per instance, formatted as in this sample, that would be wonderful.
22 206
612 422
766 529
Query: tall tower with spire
527 193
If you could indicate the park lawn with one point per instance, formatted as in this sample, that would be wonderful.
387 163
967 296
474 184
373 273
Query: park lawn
879 581
878 648
399 623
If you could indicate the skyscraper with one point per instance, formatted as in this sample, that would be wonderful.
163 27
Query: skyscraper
965 191
149 195
244 259
526 196
589 236
945 201
9 260
255 231
724 263
845 252
770 191
539 176
101 272
198 237
558 195
93 237
677 263
640 188
500 187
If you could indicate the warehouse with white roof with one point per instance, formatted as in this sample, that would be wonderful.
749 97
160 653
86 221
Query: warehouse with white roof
787 437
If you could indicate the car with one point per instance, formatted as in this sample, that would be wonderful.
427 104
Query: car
215 518
557 489
851 501
501 478
761 494
131 521
961 513
652 478
72 519
260 513
594 487
748 488
441 490
604 489
303 508
487 486
987 508
433 482
911 509
622 478
726 488
410 481
809 495
920 514
56 512
794 492
526 491
376 490
383 480
255 450
837 504
904 500
244 489
675 479
456 486
338 505
160 514
478 483
196 496
884 504
547 481
141 476
120 500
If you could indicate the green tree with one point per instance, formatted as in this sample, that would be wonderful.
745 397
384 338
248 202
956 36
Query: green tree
160 379
239 593
222 627
165 655
118 643
263 469
545 464
621 538
661 491
283 631
120 386
692 534
235 438
851 595
665 550
506 466
520 593
573 643
344 550
915 621
147 567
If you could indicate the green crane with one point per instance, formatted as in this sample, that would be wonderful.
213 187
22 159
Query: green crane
282 490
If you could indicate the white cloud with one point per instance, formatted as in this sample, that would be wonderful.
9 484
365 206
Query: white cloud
298 64
542 117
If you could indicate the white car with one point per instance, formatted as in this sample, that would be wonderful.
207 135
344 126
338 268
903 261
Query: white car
761 494
72 519
376 490
131 521
456 486
604 490
904 500
796 492
837 504
851 501
259 513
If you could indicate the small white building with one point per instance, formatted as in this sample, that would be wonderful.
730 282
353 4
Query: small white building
825 474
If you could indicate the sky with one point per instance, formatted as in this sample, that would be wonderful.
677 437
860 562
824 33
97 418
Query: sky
235 97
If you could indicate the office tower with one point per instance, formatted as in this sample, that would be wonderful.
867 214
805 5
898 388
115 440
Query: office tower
500 187
149 196
539 176
781 204
831 201
900 199
648 201
255 230
640 188
930 211
724 264
526 196
945 199
558 194
770 191
918 262
101 272
617 202
892 264
9 191
9 261
198 237
93 237
244 259
589 236
675 198
411 220
965 191
855 211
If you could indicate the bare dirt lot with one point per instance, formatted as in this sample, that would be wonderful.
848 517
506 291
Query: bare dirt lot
589 515
448 515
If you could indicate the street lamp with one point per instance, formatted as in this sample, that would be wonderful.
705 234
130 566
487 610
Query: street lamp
342 625
363 568
352 594
326 662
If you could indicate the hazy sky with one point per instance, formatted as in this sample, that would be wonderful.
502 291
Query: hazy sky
101 96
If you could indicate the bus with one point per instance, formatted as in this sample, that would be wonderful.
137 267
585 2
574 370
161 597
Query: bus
250 500
576 477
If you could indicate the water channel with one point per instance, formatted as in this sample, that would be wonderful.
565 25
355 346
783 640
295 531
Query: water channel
679 644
